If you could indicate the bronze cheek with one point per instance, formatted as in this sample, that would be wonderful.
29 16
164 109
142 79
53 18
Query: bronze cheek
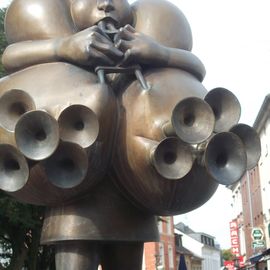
84 13
123 11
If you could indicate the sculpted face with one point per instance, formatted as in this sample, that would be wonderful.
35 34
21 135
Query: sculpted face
86 13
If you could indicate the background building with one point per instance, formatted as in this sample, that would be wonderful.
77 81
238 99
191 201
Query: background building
202 245
161 255
262 126
193 261
251 201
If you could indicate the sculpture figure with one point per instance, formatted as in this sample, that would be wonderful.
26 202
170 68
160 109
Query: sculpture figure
108 153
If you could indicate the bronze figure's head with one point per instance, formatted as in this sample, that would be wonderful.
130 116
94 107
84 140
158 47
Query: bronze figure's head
86 13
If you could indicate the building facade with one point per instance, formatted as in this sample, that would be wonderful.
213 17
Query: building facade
202 245
252 209
262 126
192 260
162 255
251 203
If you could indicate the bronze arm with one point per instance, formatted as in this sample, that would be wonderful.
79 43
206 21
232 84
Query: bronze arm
185 60
87 47
142 49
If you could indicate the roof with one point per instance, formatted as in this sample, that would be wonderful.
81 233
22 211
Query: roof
263 114
183 250
202 233
183 228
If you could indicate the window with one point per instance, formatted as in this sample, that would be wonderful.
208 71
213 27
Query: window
161 255
171 259
160 224
169 225
202 240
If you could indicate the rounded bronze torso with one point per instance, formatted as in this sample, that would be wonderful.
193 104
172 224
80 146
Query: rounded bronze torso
143 114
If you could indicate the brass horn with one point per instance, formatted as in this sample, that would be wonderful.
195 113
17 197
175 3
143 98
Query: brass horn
37 135
13 104
67 167
192 121
226 108
225 158
251 141
78 124
14 170
172 158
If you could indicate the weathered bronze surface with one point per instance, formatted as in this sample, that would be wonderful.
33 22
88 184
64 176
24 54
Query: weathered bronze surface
104 119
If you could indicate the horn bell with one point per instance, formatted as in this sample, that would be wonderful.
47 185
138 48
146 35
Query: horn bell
193 120
251 141
13 104
37 135
172 158
67 167
14 170
226 108
225 158
78 124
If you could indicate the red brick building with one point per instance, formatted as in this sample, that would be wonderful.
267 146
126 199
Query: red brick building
161 255
252 207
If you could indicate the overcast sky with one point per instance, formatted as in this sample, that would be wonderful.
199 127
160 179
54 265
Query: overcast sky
232 39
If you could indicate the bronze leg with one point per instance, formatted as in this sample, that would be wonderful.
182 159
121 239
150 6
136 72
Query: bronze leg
122 256
77 255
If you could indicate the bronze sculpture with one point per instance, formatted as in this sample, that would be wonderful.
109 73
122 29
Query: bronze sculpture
106 153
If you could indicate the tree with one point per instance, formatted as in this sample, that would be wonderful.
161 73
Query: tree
3 41
227 255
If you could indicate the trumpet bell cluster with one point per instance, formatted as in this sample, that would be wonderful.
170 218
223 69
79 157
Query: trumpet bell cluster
49 154
207 132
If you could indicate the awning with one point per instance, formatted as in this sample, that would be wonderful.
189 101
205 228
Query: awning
256 258
261 257
182 263
265 258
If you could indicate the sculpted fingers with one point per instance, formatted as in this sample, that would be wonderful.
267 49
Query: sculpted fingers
106 49
99 37
124 34
99 57
123 45
96 29
129 28
129 57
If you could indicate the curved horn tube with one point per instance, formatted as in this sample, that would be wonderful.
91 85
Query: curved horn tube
14 170
172 158
13 104
78 124
192 121
226 108
251 141
67 167
37 135
225 158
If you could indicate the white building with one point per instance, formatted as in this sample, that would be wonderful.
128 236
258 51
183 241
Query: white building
202 245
